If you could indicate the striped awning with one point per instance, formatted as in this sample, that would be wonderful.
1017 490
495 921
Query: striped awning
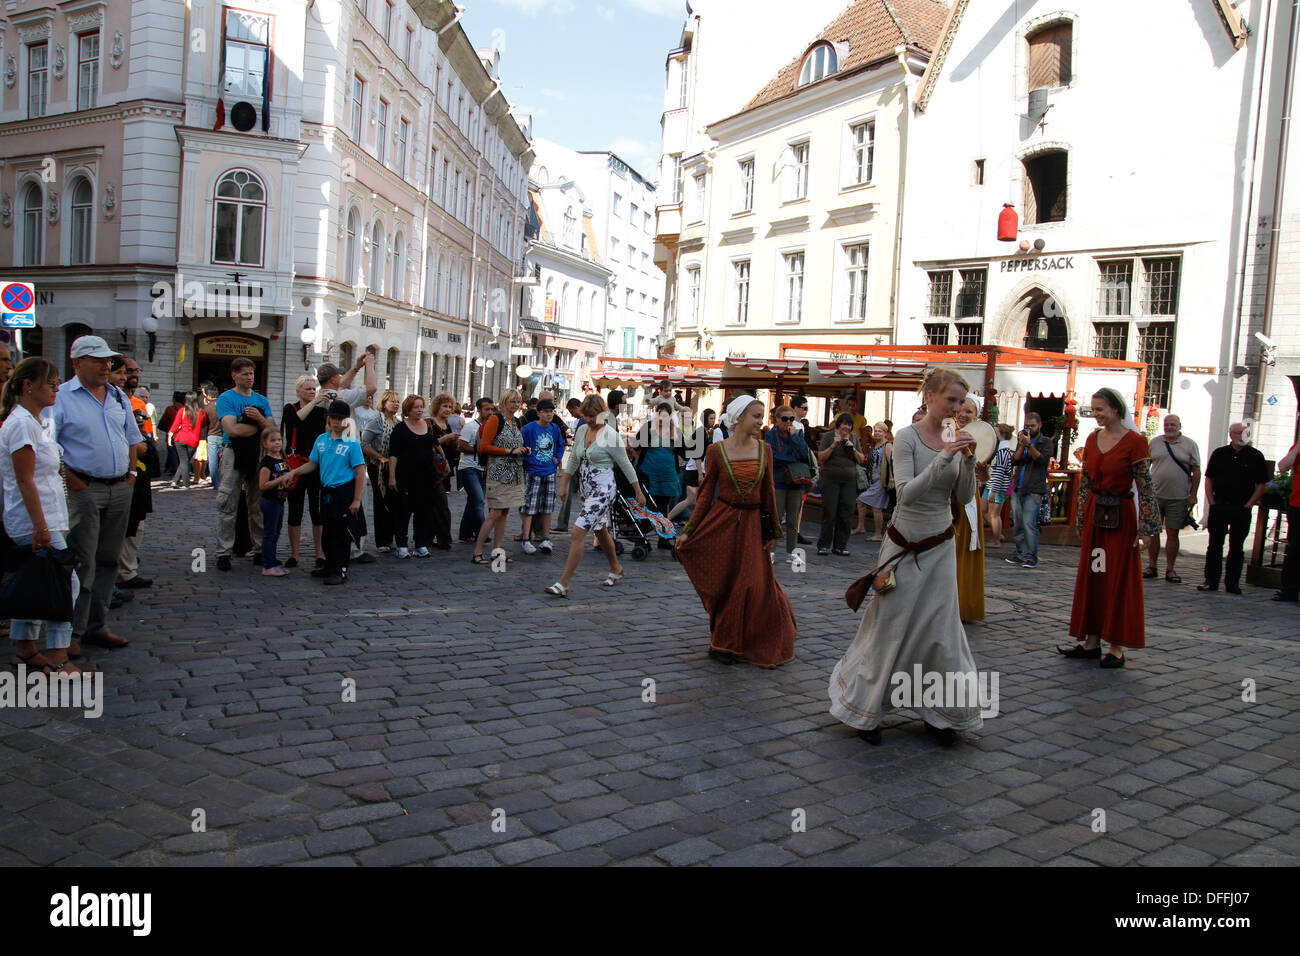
774 366
836 368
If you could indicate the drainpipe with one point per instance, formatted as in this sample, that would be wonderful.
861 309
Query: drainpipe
1288 79
905 128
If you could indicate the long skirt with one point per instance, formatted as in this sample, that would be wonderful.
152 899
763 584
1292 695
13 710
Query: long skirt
1108 596
906 634
970 570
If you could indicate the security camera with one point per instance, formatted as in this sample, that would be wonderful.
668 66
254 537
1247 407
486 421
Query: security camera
1268 343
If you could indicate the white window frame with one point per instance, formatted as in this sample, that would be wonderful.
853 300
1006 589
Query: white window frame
794 176
789 310
32 237
745 168
694 293
240 204
850 179
38 93
846 287
381 130
403 135
358 107
740 291
398 288
698 196
87 71
86 214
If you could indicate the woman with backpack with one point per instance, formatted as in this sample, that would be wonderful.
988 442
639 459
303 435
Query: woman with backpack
500 450
791 472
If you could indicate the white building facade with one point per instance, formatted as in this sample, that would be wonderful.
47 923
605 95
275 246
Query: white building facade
247 169
1113 256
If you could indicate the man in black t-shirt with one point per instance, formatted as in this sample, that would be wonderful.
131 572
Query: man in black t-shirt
1234 482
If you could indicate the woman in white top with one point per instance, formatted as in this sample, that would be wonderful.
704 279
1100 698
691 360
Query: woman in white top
36 507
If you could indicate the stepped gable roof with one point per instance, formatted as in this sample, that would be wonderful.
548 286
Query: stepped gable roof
873 29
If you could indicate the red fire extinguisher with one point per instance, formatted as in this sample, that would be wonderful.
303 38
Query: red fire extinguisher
1008 222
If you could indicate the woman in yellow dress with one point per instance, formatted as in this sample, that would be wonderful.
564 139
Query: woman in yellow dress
968 530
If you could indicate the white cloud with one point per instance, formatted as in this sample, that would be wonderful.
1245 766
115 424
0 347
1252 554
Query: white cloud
534 7
633 150
604 12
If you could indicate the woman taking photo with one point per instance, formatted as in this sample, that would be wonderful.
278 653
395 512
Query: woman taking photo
375 445
1108 598
187 430
597 451
726 546
696 450
838 459
661 448
791 472
912 622
301 424
500 450
412 474
444 406
876 497
35 505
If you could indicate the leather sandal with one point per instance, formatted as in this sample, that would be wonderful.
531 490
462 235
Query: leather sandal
1079 652
557 589
1150 573
1173 578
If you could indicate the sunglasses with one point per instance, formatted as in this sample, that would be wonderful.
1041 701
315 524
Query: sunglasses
787 418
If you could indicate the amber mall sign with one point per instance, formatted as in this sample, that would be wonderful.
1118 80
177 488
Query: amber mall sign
1037 265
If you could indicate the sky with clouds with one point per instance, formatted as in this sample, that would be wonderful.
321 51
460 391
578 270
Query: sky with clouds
591 72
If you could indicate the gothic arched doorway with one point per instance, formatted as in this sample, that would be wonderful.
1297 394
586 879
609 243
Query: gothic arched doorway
1043 321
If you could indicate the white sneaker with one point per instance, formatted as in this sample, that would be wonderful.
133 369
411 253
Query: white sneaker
546 547
422 553
384 549
530 548
403 553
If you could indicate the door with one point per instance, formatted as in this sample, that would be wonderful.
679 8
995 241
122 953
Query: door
214 352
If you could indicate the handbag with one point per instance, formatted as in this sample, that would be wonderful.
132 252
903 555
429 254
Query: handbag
798 473
883 579
864 480
294 460
767 524
1045 510
40 586
1106 511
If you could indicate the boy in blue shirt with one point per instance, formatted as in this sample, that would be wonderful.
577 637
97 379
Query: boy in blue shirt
342 478
545 440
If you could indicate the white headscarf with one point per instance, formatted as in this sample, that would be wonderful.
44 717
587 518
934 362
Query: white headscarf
736 409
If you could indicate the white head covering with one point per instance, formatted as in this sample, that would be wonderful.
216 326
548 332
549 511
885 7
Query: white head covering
737 408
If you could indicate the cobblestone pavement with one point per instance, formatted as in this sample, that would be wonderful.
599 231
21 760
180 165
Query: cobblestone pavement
479 699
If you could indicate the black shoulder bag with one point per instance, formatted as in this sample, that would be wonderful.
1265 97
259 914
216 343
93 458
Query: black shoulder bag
1190 522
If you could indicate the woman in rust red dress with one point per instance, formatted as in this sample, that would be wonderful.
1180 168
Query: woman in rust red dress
1108 597
723 550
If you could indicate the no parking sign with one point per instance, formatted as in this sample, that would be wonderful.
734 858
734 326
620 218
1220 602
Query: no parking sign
17 305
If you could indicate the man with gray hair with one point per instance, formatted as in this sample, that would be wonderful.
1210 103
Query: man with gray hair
1176 474
1235 477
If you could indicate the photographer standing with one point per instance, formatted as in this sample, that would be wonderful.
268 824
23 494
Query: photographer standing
1176 472
1029 470
838 458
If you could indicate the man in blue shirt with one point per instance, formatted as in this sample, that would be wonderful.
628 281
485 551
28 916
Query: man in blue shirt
97 431
244 415
1029 469
545 440
342 479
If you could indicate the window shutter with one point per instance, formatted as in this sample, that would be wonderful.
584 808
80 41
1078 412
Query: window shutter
1030 202
1049 57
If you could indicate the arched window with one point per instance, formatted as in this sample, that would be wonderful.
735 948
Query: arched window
430 277
562 310
570 228
33 233
377 258
350 271
1049 56
393 359
548 309
820 62
398 289
240 219
83 221
347 356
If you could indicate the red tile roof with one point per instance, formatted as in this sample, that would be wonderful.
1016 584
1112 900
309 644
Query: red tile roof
872 29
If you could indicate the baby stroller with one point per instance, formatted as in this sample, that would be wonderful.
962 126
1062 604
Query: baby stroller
639 525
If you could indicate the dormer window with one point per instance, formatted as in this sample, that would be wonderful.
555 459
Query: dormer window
820 62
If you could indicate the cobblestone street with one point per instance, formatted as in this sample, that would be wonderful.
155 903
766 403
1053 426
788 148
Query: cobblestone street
478 696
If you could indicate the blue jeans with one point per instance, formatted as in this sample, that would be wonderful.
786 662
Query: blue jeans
214 464
471 479
58 634
1024 516
272 520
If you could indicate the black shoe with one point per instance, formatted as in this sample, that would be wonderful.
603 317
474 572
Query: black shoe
334 579
803 540
871 736
223 563
947 736
257 560
720 657
365 557
1079 652
1207 587
1283 596
843 553
323 572
320 562
136 582
1232 589
291 563
1110 661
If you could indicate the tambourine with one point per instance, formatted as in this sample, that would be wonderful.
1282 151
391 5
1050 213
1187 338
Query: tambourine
986 439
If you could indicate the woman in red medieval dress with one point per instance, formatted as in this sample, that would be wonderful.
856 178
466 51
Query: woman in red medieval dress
1108 596
724 552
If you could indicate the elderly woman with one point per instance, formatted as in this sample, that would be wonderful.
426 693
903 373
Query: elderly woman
968 534
597 451
912 624
791 472
838 458
376 437
726 546
1108 596
412 473
35 506
500 450
301 424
